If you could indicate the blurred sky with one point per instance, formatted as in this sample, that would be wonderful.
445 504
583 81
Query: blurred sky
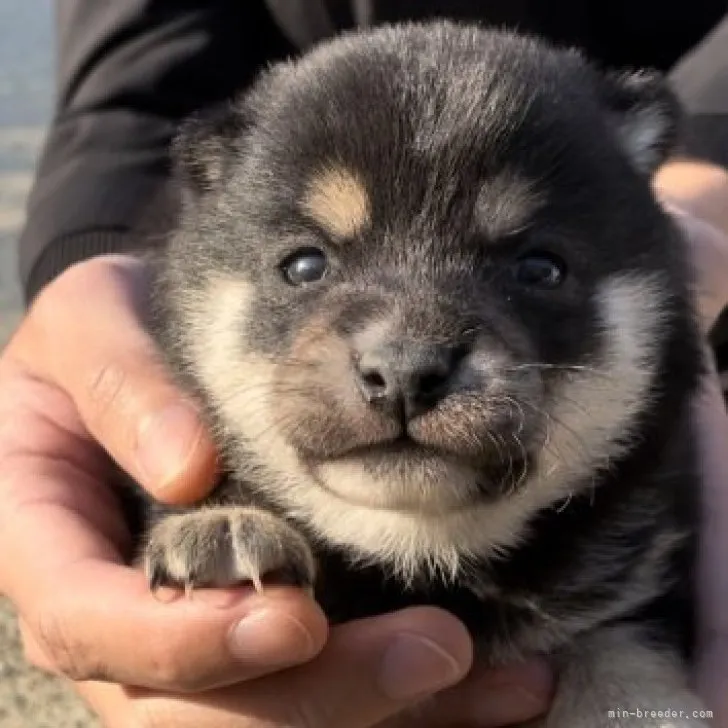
26 100
26 61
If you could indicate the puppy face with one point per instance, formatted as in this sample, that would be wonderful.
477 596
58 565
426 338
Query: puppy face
422 283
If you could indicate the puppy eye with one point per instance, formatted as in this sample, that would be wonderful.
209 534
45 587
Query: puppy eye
540 270
307 265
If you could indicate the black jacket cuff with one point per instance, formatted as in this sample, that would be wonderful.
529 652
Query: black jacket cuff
64 252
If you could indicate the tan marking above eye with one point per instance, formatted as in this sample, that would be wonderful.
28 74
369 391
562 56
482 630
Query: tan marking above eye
337 200
506 204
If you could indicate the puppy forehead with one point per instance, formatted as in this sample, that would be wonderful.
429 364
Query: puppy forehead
411 136
389 115
338 198
371 173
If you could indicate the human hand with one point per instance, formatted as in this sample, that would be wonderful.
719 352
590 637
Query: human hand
696 196
79 374
375 673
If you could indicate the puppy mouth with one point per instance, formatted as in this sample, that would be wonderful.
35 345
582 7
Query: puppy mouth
469 450
403 445
491 478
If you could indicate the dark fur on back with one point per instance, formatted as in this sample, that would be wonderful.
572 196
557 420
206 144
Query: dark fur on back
550 491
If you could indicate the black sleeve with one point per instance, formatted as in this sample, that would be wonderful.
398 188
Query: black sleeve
128 72
701 82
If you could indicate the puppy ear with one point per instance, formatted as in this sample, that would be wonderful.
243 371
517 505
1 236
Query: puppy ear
206 147
646 115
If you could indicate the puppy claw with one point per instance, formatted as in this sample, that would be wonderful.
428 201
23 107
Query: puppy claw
155 578
223 547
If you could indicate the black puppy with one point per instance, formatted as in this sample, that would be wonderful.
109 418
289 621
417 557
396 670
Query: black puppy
444 335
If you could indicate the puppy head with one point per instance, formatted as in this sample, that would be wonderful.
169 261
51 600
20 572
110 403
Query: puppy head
422 283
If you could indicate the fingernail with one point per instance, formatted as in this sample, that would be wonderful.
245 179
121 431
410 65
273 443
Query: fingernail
414 666
505 701
165 442
270 637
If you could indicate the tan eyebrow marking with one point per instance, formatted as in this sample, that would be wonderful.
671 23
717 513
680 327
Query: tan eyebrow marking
337 200
506 204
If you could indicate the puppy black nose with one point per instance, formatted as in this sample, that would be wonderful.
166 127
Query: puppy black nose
407 379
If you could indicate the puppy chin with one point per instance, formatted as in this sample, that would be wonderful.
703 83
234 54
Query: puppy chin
418 483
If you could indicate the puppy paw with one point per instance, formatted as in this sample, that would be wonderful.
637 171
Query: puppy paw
223 547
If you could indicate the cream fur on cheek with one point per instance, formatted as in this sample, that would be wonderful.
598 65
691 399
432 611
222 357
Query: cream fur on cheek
612 395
